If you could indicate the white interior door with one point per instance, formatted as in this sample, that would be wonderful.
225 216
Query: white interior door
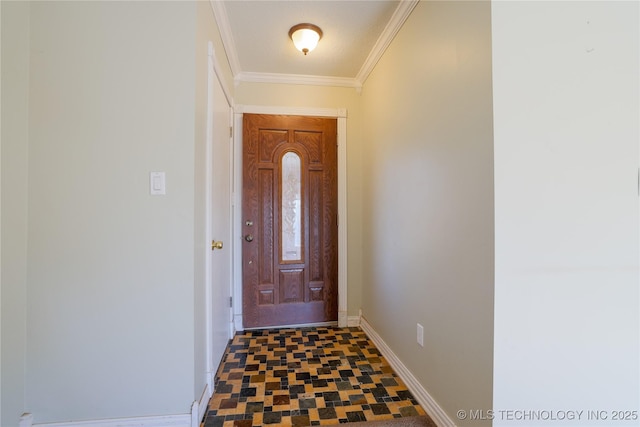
220 211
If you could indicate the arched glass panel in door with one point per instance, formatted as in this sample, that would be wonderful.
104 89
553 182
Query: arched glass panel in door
291 207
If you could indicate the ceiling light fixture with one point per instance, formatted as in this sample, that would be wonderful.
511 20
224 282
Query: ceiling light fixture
305 37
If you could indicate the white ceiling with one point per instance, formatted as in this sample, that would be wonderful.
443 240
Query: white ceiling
355 33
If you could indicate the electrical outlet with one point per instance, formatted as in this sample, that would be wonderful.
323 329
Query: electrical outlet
420 335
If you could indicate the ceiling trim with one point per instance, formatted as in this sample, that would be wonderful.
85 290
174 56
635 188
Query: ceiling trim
396 22
299 79
222 19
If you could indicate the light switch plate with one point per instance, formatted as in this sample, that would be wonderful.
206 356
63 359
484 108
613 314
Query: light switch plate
157 184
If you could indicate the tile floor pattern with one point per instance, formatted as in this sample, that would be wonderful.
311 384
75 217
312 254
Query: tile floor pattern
306 377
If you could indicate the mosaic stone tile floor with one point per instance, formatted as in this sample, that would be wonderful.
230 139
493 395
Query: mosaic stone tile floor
306 377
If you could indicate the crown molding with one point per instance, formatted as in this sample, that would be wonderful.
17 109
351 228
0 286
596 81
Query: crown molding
396 22
222 19
298 79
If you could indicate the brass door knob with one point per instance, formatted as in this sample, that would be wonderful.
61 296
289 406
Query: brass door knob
216 245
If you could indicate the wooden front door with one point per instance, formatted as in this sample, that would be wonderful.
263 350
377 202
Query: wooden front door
290 209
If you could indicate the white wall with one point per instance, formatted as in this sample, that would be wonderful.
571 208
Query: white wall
565 78
14 154
428 201
103 271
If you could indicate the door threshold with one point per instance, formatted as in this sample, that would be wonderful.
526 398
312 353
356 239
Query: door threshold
299 325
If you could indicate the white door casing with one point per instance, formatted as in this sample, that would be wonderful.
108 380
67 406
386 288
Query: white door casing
219 216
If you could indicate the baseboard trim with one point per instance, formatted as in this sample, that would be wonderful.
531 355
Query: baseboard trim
437 414
202 406
237 321
353 321
198 412
181 420
26 420
343 319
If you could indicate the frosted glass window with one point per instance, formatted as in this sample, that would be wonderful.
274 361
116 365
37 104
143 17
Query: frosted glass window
291 208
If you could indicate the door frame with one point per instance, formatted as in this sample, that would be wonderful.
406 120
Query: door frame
341 116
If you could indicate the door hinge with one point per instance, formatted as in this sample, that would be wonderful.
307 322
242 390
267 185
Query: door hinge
231 302
230 132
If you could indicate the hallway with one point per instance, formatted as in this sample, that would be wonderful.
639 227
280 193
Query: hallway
303 377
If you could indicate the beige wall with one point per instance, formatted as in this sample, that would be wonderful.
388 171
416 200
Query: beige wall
110 268
428 201
14 154
327 97
98 276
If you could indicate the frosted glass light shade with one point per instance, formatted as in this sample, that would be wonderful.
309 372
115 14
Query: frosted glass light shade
305 37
